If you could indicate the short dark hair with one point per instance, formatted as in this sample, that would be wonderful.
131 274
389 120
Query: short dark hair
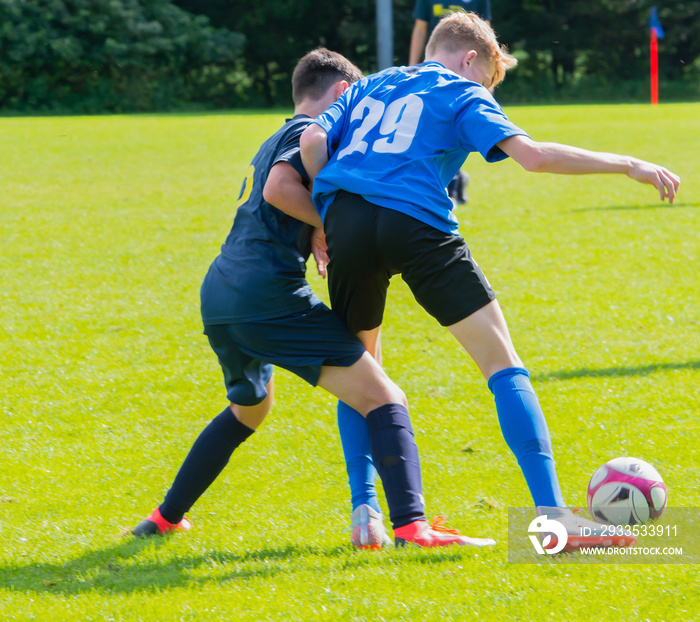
318 70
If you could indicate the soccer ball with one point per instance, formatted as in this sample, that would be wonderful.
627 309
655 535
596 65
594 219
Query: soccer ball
626 491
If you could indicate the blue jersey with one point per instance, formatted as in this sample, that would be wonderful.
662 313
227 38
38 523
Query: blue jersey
399 136
261 271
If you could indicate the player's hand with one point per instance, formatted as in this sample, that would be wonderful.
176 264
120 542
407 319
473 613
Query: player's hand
662 179
319 248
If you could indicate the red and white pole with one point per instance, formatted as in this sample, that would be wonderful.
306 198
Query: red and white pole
654 68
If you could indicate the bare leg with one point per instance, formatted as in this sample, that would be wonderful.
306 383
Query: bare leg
484 335
372 340
253 416
363 386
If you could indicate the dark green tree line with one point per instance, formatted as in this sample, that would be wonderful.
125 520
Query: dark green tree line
584 50
90 55
602 43
279 32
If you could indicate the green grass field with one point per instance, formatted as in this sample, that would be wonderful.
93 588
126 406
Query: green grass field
107 227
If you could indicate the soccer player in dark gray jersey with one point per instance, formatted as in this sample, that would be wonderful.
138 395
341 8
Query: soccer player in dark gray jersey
261 271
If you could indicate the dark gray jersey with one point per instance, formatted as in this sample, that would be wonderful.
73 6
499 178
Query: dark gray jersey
261 271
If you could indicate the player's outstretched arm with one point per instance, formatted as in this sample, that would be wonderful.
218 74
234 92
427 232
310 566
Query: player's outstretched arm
285 190
566 160
314 150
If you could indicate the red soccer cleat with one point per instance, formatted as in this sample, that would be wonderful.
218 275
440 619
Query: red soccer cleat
435 535
156 525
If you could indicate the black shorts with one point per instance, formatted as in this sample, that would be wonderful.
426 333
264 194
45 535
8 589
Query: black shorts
368 244
301 343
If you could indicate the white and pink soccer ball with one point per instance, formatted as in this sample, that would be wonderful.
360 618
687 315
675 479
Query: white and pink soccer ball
626 491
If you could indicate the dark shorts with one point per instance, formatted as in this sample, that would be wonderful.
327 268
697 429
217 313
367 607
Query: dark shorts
368 244
301 343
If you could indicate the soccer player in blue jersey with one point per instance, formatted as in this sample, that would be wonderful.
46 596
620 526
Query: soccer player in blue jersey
258 311
380 158
427 14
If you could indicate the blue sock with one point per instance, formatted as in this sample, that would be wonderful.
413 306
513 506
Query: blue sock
395 456
354 438
209 455
525 431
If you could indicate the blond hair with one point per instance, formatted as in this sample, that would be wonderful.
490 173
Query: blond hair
463 31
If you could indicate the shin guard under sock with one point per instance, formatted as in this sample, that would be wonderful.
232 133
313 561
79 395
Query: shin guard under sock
395 456
525 431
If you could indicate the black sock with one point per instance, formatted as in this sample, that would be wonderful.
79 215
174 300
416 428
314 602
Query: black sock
207 458
395 456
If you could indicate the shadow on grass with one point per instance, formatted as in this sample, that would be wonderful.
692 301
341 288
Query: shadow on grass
133 566
612 372
608 208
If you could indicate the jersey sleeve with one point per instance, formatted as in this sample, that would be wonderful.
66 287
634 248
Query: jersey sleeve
289 152
333 121
423 10
481 124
